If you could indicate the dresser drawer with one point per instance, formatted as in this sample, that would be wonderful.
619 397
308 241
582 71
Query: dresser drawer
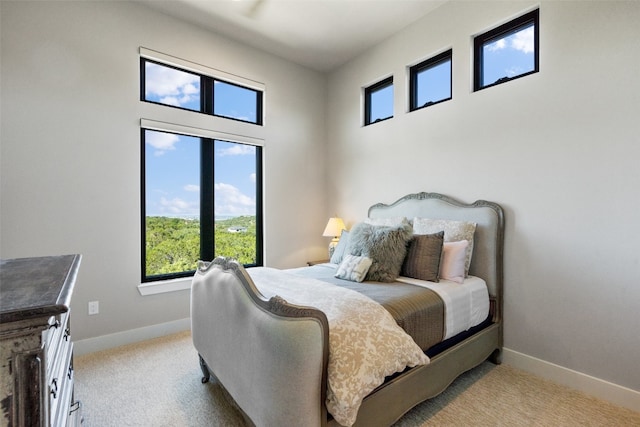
57 335
75 415
60 386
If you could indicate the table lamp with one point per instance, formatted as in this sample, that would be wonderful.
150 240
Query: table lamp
334 229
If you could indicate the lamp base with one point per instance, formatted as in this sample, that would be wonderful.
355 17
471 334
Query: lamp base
332 246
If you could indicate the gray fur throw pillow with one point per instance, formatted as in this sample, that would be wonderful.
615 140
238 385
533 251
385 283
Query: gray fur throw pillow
386 246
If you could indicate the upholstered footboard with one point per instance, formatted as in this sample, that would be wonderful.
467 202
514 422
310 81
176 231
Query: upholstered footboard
394 398
270 356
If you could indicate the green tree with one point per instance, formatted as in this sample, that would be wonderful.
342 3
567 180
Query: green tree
173 244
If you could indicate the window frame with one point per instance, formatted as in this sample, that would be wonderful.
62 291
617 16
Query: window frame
499 32
368 92
259 101
427 64
207 204
208 130
207 92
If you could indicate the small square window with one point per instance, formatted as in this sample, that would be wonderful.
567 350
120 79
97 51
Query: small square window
378 101
430 81
507 52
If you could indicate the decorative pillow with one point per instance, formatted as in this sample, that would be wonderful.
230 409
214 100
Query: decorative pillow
386 246
452 263
395 221
423 257
353 268
339 251
453 231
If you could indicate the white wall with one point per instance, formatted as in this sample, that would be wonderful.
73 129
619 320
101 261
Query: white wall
558 149
70 147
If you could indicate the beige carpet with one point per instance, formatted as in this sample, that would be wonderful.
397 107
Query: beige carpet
157 383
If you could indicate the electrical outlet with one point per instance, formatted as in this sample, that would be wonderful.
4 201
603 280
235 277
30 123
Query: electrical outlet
94 307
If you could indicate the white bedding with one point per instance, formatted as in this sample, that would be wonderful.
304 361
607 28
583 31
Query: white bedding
365 343
465 304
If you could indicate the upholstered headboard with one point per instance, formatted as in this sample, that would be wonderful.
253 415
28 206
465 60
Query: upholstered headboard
487 256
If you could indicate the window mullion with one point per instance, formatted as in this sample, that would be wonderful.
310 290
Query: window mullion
259 219
207 208
206 95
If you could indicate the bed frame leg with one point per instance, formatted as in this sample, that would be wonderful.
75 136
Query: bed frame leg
206 375
496 356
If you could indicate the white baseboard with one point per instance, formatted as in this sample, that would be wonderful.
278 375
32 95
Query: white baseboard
117 339
593 386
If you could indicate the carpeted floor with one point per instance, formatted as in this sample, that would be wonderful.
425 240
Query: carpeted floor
157 383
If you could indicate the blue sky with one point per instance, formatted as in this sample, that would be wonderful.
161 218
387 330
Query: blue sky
172 161
507 57
434 84
173 176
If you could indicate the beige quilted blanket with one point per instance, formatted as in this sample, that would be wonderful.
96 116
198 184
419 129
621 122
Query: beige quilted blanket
365 343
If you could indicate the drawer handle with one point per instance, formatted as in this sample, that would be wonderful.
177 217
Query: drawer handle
54 388
55 324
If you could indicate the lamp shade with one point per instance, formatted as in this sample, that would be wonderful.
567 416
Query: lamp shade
334 227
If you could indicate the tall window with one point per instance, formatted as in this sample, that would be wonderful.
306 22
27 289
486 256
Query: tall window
378 101
201 195
430 81
507 52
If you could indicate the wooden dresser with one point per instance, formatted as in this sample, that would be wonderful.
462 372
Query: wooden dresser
36 351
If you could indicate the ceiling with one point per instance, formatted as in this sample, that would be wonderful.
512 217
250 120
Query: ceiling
319 34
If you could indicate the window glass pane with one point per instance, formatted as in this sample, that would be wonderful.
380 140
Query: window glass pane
381 103
235 201
433 84
169 86
172 203
235 102
508 56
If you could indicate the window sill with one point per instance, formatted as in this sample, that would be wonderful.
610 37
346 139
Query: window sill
165 286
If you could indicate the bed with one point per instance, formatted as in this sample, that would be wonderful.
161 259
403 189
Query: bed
271 353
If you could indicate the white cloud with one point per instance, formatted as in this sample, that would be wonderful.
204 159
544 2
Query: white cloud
177 206
192 188
237 150
161 141
252 178
190 89
170 100
229 200
523 41
513 71
498 45
170 86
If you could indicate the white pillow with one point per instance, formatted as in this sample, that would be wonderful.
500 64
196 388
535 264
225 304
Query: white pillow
339 250
452 261
453 231
353 268
395 221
